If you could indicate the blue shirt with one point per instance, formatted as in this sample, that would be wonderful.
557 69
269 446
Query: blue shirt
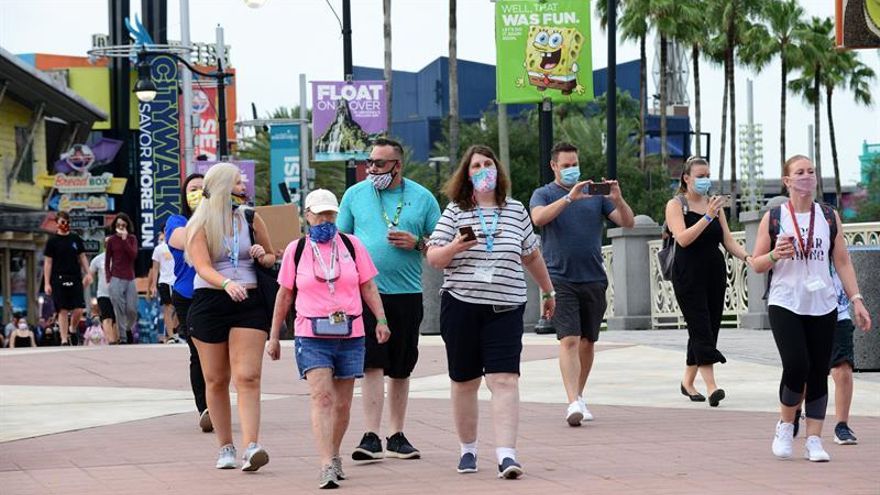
184 273
572 242
360 213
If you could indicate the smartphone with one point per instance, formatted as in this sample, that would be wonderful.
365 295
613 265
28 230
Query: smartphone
599 189
467 233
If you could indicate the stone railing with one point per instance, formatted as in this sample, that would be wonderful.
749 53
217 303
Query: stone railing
608 261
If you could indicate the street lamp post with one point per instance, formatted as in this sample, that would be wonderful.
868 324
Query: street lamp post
145 90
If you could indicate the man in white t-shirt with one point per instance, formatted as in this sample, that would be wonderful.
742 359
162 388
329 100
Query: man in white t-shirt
163 268
105 307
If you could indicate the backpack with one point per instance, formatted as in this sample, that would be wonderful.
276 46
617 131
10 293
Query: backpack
666 255
297 255
773 227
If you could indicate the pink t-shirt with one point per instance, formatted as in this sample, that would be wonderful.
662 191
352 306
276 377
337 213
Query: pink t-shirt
313 296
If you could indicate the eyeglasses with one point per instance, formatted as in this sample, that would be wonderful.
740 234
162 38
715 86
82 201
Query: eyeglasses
371 163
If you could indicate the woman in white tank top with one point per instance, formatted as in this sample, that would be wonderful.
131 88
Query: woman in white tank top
802 302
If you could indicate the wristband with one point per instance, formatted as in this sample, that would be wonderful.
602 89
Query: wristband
772 259
548 295
567 198
708 218
856 297
225 283
382 321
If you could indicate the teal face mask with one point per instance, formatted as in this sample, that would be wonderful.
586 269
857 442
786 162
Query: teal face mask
702 185
570 176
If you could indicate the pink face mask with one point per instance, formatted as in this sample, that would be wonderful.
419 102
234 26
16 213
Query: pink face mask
802 185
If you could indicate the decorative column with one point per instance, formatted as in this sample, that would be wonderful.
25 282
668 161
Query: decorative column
631 273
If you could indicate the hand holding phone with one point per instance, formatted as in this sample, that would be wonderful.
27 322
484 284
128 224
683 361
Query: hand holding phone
467 233
598 188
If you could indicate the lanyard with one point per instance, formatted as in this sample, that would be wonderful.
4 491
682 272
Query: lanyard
805 249
489 233
330 271
392 223
233 256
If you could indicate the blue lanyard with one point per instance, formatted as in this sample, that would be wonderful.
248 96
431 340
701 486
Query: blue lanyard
489 233
233 257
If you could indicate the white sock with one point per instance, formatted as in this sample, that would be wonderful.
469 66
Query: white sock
469 448
502 452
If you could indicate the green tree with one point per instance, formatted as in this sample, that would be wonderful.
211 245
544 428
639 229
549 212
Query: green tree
869 206
693 30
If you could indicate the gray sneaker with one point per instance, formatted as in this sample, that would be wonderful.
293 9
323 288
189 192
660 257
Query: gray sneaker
254 458
336 462
226 457
328 478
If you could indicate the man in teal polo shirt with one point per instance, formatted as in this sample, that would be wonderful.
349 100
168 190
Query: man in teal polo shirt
392 216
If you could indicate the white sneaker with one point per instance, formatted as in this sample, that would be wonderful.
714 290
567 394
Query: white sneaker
254 458
588 416
813 450
575 414
226 457
782 440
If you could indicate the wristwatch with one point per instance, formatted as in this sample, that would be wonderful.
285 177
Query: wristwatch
548 295
420 244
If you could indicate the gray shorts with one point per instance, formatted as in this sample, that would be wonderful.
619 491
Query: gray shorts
579 309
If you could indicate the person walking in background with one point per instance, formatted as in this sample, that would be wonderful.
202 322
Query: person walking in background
64 263
328 273
120 250
797 241
482 242
228 320
699 273
392 216
182 292
105 306
571 219
161 279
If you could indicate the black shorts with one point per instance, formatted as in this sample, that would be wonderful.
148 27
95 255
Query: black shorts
105 308
842 350
213 313
164 294
67 292
181 308
399 355
480 338
579 309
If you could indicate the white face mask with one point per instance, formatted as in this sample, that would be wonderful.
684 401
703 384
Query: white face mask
382 181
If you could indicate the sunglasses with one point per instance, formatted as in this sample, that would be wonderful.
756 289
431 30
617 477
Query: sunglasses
371 163
63 222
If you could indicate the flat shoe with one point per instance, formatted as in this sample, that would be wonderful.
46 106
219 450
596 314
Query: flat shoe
716 397
697 397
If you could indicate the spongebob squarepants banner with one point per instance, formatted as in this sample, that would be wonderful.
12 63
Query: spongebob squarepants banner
543 51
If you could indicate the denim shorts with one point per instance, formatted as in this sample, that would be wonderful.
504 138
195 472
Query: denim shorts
344 356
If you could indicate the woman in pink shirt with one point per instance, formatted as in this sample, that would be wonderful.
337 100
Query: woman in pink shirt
327 273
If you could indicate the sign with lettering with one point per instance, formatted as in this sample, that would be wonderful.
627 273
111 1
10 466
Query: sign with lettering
284 161
97 203
346 118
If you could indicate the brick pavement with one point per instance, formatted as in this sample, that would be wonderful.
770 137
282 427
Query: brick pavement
688 448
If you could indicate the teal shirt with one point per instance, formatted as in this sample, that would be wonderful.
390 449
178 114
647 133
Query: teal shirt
400 270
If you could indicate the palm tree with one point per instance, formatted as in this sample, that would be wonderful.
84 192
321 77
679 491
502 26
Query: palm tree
386 17
845 70
783 17
453 85
817 49
694 31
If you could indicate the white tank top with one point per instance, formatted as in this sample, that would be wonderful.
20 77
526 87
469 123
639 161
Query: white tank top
789 286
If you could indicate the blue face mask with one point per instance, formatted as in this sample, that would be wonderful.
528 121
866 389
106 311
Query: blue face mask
702 185
570 175
323 232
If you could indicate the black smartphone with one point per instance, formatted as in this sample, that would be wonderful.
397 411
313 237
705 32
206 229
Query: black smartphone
599 189
467 233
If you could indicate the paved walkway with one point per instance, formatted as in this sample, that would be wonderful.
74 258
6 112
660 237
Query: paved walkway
121 420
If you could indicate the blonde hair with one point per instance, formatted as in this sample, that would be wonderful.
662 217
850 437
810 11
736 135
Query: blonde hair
214 213
686 170
793 159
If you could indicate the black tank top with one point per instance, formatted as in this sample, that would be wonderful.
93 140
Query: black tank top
22 341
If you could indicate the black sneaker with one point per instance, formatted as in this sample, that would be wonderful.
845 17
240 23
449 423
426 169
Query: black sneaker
370 448
398 446
509 469
843 435
797 423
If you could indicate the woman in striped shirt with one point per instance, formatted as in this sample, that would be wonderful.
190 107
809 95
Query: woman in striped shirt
482 242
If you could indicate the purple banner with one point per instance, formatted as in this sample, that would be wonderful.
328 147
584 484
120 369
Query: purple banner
346 118
247 168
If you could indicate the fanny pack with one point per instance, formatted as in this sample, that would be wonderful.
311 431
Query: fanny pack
327 327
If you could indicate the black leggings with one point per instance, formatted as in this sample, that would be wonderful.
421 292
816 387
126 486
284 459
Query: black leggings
196 378
804 344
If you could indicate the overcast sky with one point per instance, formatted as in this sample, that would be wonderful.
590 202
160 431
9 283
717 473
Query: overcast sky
272 45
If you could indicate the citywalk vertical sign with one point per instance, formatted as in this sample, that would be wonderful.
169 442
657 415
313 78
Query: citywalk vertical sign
284 162
543 50
159 151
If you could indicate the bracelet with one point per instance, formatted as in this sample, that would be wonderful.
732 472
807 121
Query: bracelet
548 295
708 218
382 321
856 297
567 198
772 259
225 283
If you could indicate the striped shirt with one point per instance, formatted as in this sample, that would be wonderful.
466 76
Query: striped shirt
514 239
